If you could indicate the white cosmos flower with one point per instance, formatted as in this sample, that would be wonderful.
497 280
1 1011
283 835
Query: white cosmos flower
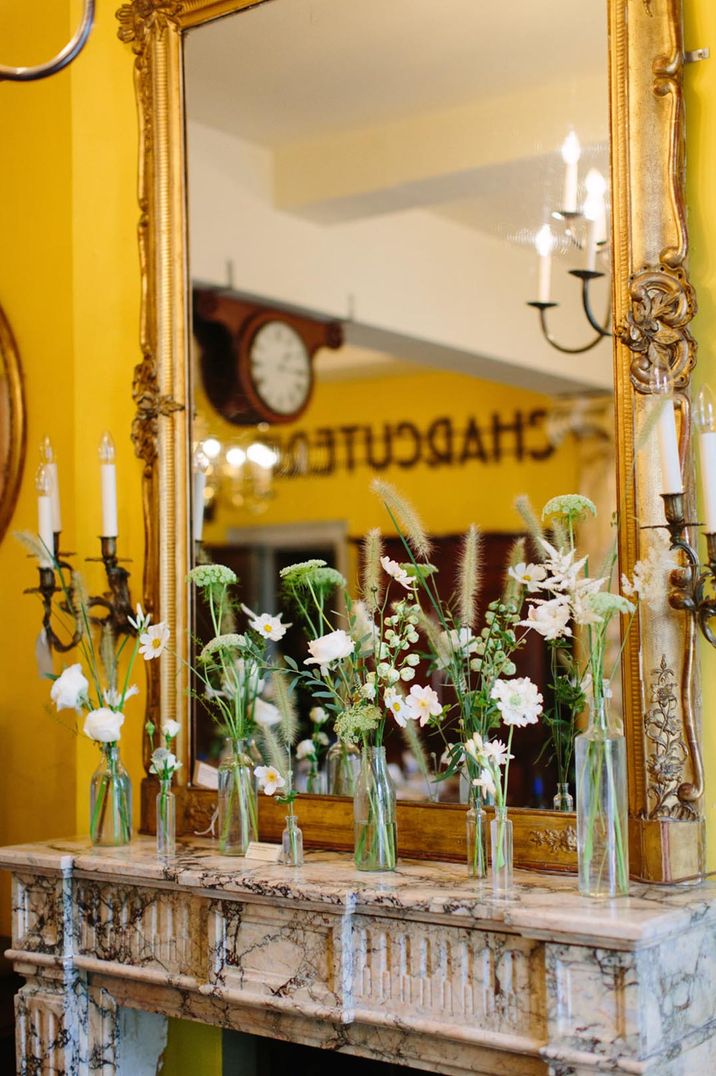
103 725
550 619
305 749
398 706
486 783
331 647
496 752
318 715
265 625
69 690
140 622
153 641
170 729
530 576
395 571
265 713
424 704
113 697
518 701
270 780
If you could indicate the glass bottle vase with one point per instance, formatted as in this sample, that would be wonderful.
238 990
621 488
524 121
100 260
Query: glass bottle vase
166 820
315 781
602 807
476 820
292 843
501 851
375 830
563 799
342 768
110 800
237 800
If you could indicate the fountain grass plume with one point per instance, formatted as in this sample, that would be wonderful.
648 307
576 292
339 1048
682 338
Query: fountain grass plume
414 743
469 575
33 545
108 656
372 572
524 506
274 752
431 629
510 587
403 513
284 704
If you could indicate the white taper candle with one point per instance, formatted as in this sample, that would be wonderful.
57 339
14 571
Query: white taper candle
109 487
44 516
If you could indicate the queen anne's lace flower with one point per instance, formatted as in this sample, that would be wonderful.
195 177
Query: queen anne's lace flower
228 642
570 506
211 575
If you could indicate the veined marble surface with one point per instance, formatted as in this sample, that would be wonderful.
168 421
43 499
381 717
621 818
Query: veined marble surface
422 967
548 905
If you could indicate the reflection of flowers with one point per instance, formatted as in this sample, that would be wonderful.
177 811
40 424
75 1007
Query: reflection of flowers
650 577
69 691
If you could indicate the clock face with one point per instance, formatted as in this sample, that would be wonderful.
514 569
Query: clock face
280 368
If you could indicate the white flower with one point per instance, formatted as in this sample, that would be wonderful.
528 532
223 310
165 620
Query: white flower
424 704
306 749
103 725
486 783
153 641
331 647
368 691
269 779
496 752
458 642
113 697
582 604
530 576
322 738
265 713
650 579
318 715
562 566
69 691
363 629
407 673
550 619
265 625
518 701
170 729
164 762
398 706
412 659
475 748
395 571
140 622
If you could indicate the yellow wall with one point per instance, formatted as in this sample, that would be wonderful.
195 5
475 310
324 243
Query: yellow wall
700 30
448 497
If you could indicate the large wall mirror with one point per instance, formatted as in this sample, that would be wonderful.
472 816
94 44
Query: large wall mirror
359 215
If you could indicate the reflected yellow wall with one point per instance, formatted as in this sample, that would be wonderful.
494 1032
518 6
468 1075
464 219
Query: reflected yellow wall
700 30
449 497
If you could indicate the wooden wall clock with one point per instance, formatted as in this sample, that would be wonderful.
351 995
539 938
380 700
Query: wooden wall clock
256 361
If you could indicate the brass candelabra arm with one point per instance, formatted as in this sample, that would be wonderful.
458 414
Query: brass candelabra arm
543 308
692 584
587 275
117 601
47 589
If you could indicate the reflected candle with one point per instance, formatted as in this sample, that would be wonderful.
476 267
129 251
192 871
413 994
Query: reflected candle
705 422
544 241
668 443
571 152
47 454
44 515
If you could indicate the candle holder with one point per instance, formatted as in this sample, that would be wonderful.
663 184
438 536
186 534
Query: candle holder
693 585
586 276
116 601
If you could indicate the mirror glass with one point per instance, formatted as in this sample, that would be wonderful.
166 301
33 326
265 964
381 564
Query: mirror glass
376 193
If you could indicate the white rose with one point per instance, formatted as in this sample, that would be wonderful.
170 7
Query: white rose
305 749
103 725
171 729
318 715
70 689
331 647
265 713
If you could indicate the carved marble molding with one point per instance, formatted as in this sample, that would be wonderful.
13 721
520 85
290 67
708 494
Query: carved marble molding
422 968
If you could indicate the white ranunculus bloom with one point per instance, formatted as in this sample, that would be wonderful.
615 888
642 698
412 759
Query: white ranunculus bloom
69 691
518 701
265 713
171 729
550 619
305 749
103 725
270 780
331 647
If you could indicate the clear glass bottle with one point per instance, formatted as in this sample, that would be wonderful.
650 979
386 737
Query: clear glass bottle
342 768
563 799
375 829
476 820
316 781
292 843
237 800
501 851
166 820
602 809
110 800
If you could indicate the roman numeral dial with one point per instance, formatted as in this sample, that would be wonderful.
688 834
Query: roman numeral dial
280 368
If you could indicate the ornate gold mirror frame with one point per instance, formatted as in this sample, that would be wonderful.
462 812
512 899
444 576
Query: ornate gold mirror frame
653 305
12 423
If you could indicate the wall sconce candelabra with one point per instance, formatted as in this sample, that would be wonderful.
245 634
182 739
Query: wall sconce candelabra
584 229
64 57
116 602
693 585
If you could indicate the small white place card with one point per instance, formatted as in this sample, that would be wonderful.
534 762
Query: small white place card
263 852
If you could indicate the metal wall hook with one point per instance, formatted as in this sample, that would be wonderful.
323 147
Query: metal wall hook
64 57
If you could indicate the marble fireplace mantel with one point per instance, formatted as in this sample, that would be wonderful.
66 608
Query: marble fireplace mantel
421 967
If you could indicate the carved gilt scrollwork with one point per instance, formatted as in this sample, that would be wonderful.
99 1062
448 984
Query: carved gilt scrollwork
656 330
556 840
140 17
668 755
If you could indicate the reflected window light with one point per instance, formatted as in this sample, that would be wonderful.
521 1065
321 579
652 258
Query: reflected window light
262 455
211 447
235 456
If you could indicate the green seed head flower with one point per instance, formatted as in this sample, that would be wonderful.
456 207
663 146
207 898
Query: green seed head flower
211 575
570 507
